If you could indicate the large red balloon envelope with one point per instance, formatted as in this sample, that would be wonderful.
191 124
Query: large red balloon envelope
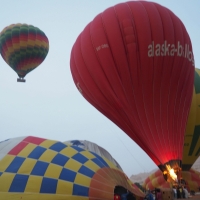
134 63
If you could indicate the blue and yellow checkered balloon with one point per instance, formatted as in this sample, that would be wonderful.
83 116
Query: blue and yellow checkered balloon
35 168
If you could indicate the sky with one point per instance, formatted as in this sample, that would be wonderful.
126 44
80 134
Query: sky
49 105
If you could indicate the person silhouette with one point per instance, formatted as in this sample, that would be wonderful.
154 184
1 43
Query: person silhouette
124 196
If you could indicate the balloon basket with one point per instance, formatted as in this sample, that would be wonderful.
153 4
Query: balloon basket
21 80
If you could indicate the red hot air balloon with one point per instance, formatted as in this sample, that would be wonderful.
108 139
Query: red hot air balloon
134 63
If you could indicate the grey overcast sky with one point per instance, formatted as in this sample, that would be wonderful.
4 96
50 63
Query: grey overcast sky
48 105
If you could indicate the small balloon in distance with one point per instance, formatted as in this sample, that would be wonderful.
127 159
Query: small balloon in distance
23 47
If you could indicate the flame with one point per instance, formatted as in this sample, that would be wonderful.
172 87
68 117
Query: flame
171 172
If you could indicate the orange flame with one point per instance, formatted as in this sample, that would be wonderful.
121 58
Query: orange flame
171 172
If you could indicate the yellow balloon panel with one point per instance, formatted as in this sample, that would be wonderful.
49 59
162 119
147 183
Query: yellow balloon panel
191 149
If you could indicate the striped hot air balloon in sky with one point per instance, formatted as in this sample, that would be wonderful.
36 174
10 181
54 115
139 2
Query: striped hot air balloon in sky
23 47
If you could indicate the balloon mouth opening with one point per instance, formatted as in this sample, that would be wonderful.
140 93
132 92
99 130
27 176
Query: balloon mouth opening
171 174
21 75
171 171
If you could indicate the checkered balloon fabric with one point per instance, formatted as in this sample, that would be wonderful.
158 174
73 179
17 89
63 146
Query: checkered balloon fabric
32 167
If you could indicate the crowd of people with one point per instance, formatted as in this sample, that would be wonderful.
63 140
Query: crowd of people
180 192
155 195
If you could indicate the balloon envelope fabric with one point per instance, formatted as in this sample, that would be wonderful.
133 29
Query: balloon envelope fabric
90 146
191 150
36 168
